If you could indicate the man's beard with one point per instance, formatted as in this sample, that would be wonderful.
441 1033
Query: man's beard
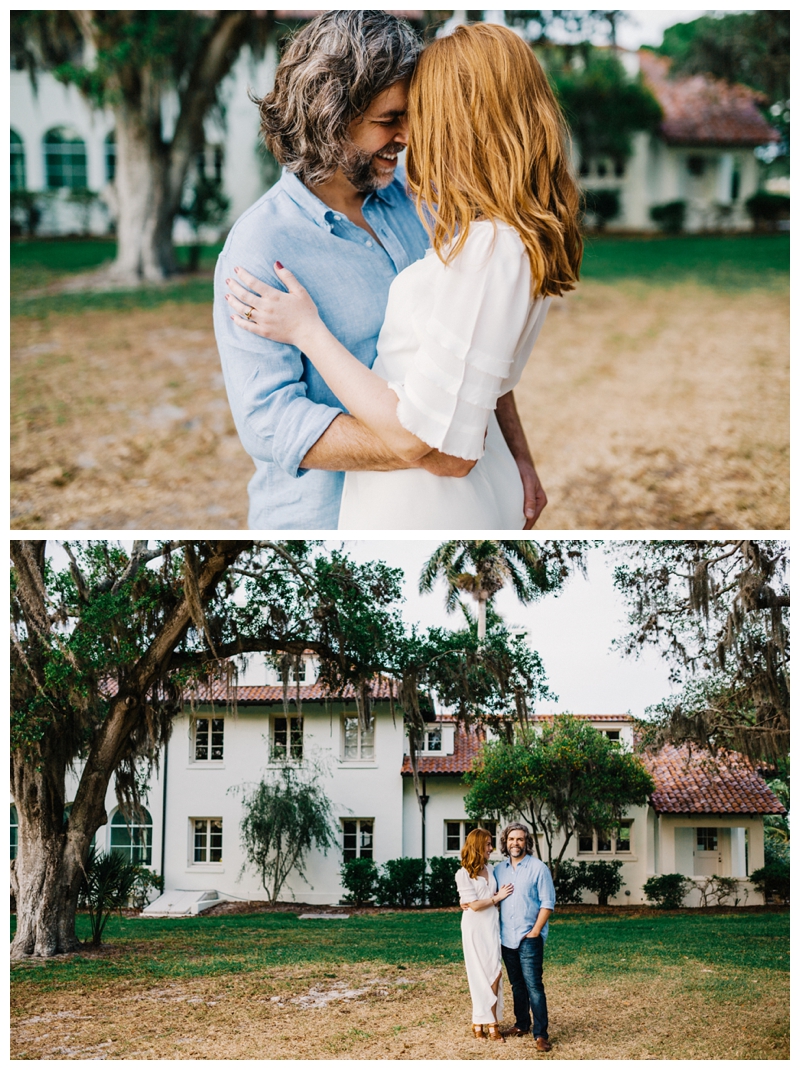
359 170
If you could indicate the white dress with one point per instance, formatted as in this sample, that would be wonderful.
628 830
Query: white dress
454 340
480 935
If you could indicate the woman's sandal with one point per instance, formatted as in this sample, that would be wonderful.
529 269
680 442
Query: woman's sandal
478 1032
494 1032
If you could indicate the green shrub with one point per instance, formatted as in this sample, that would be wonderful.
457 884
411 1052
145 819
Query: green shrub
772 880
603 204
146 881
360 878
400 882
442 891
667 890
570 881
604 879
670 217
108 884
765 209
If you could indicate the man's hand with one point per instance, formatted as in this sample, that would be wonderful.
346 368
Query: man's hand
535 497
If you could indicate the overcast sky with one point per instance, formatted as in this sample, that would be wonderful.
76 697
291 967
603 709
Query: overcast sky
572 632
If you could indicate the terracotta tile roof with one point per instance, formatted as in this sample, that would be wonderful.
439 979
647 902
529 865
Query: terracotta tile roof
693 784
467 745
267 694
701 110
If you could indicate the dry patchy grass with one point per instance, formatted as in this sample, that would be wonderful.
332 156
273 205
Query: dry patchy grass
647 407
374 1011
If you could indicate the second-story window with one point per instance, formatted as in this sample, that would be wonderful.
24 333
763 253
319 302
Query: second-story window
432 739
359 742
209 738
287 738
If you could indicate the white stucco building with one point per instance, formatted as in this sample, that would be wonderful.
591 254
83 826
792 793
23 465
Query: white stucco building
702 154
700 821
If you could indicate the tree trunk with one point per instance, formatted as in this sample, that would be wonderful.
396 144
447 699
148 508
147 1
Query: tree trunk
46 874
147 203
481 618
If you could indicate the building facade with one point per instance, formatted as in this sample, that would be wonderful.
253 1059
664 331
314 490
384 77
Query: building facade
703 152
702 820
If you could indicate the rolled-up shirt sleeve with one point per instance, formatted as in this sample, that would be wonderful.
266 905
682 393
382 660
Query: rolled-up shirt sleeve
546 890
467 343
275 418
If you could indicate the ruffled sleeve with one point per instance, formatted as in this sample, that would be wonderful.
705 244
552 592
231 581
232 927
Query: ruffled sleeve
465 886
468 339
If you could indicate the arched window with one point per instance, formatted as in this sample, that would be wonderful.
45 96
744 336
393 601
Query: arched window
17 161
64 159
110 145
14 831
134 838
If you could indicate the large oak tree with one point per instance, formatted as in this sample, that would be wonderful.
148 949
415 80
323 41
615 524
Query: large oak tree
718 610
104 649
136 63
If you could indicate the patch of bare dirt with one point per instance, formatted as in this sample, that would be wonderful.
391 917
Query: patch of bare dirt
645 408
661 408
365 1011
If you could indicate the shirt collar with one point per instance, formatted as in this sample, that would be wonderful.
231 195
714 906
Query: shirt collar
317 209
305 199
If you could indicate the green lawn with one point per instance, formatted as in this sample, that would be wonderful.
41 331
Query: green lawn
150 949
740 261
392 986
731 262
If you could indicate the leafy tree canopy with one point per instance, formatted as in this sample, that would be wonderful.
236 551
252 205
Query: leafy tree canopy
603 105
718 610
563 778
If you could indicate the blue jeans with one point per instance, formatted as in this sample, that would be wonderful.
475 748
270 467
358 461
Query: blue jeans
524 968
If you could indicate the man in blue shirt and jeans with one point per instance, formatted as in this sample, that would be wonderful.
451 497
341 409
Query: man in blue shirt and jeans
523 930
342 221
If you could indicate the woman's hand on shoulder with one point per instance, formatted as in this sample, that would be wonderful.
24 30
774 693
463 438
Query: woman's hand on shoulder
263 310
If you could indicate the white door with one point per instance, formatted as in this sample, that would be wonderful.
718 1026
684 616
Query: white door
707 856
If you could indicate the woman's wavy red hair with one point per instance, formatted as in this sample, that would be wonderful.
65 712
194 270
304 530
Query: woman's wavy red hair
487 140
473 853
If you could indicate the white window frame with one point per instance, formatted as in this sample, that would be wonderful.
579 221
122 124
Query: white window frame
135 825
273 724
614 851
362 743
360 832
464 828
208 761
427 733
69 150
206 863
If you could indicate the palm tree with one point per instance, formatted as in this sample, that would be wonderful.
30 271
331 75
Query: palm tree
482 567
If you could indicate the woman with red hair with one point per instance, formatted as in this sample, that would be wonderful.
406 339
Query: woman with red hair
489 170
480 933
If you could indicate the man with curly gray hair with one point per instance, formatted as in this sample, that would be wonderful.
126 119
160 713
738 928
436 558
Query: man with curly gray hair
523 930
336 120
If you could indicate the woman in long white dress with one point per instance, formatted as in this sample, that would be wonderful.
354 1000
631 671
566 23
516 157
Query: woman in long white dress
480 933
488 165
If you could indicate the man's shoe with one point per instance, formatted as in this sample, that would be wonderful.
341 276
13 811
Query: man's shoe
514 1032
542 1044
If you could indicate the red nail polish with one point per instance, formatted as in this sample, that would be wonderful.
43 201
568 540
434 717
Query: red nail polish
278 264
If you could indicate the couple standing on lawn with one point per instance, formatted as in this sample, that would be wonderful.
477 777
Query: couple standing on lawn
505 915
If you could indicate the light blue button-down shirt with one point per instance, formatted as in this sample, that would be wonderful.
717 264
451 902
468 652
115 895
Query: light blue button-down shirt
280 403
533 889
